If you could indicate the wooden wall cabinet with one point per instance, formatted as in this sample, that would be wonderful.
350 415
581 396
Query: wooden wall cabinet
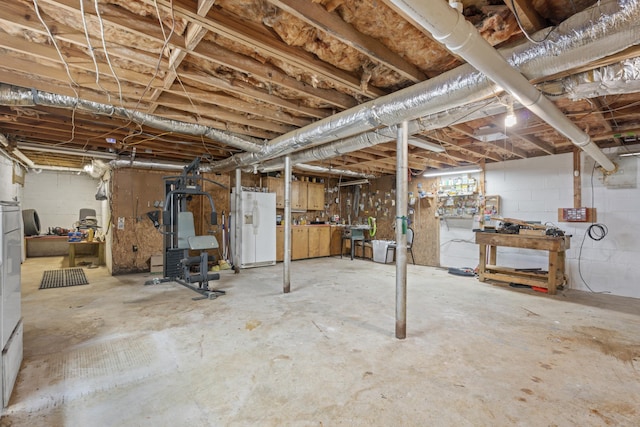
319 241
299 195
276 185
315 196
304 195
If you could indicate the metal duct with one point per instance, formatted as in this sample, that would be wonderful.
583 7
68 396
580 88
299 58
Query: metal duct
333 171
451 28
317 169
12 95
145 165
40 168
615 79
579 40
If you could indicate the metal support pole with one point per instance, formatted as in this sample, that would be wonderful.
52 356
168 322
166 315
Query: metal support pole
286 285
401 231
238 221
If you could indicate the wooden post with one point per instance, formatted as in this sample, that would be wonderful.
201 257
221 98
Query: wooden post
577 179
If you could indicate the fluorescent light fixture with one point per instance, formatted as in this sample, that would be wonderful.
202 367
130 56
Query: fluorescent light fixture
453 171
425 145
629 154
68 151
488 134
355 182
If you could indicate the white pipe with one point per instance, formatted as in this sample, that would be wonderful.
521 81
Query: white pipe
237 221
27 161
286 265
402 188
459 36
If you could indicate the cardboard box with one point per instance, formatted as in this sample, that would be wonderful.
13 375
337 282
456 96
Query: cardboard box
156 263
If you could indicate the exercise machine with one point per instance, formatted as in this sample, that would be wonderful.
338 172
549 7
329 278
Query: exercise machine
179 234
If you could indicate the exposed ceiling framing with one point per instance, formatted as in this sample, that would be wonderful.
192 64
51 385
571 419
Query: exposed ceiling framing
259 69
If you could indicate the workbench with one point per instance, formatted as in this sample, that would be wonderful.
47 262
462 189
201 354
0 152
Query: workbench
83 244
551 279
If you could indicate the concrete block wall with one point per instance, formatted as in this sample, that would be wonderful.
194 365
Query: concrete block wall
533 190
58 197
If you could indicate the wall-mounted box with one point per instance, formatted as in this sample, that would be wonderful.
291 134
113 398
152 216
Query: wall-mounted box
577 215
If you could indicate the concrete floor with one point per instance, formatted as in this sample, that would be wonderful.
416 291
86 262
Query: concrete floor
117 353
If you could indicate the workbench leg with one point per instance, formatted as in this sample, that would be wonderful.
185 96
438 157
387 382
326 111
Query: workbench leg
552 283
562 278
493 253
483 262
72 255
101 254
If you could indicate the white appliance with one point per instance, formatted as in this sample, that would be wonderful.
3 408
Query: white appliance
257 213
10 297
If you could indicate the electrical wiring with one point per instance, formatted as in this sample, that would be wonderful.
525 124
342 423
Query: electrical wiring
55 44
91 51
470 112
526 34
106 52
172 64
596 232
162 50
72 82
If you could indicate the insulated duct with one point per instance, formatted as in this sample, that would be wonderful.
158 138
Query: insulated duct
12 96
581 39
333 171
146 165
615 79
451 28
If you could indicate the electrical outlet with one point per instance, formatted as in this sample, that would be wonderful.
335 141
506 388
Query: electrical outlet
135 248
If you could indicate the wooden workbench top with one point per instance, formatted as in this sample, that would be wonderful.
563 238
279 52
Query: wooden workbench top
546 243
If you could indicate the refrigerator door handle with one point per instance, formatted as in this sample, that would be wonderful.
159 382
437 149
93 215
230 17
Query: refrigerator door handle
256 217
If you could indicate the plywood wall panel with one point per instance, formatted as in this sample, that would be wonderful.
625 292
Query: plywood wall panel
134 193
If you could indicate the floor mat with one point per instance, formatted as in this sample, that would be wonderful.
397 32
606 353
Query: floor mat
63 278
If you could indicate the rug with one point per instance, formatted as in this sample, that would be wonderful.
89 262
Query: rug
63 278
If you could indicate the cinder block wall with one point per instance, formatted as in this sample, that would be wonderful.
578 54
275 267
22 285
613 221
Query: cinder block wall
533 190
58 197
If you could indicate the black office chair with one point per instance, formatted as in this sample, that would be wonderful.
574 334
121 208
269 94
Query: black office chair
394 245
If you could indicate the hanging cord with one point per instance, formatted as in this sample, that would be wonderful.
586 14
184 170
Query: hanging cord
596 232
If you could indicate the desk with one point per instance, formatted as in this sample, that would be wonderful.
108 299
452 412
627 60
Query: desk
74 245
550 280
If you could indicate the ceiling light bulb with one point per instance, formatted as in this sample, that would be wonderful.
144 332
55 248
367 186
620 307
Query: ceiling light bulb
510 119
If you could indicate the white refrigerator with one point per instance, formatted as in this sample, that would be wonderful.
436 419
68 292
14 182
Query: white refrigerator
257 214
10 296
